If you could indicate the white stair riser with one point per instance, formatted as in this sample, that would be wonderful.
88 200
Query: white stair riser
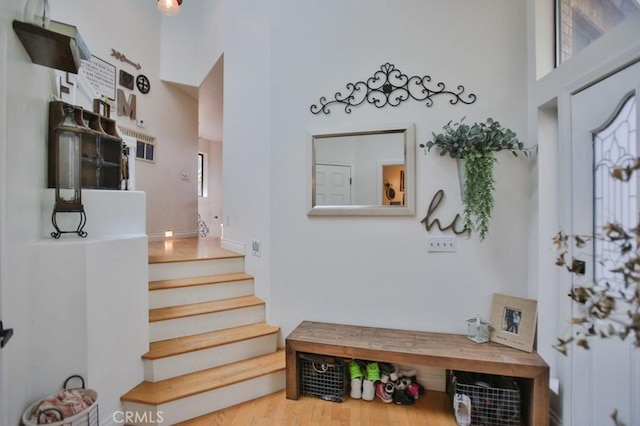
196 268
206 402
199 293
164 368
179 327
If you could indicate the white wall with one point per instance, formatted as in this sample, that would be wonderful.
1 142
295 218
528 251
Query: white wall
247 124
347 269
195 37
281 59
25 88
88 312
81 305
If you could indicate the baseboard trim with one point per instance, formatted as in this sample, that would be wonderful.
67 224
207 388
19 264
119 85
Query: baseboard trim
235 246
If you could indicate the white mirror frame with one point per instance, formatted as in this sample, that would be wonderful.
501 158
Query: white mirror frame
408 209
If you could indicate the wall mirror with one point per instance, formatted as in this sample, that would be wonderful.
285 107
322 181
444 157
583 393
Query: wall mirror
363 171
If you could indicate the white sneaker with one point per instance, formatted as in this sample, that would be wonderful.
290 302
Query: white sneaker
356 388
394 376
462 409
368 390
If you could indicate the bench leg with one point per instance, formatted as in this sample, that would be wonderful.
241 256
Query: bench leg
539 404
292 372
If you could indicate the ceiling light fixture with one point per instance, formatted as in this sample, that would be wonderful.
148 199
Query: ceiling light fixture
169 7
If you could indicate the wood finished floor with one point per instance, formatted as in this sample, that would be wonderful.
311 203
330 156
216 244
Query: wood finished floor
432 409
185 249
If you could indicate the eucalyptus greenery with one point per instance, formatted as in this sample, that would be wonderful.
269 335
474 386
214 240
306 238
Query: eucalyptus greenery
475 145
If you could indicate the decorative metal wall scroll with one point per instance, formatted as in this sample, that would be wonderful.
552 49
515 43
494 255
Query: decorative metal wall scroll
391 87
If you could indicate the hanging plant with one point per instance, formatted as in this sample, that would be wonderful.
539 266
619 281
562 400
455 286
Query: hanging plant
475 145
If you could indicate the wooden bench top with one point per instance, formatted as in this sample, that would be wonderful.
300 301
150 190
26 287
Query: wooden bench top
452 351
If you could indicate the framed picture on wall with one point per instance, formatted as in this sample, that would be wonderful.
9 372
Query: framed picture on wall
145 144
514 321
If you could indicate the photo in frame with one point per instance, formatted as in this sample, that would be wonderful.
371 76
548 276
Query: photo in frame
514 321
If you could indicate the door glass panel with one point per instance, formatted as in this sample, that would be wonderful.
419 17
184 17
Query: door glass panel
616 201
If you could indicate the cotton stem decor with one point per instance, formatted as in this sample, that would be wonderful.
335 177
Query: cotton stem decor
611 306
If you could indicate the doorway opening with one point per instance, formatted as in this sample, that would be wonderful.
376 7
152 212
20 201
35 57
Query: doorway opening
209 155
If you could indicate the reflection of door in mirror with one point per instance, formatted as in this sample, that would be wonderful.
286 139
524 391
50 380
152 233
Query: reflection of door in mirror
363 155
333 185
392 185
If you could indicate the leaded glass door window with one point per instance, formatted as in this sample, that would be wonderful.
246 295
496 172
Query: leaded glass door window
614 201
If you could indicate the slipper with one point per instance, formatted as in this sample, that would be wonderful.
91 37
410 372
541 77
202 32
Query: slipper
462 409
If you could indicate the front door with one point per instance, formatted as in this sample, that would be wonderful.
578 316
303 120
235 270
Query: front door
604 136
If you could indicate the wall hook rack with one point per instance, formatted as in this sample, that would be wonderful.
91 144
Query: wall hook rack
389 86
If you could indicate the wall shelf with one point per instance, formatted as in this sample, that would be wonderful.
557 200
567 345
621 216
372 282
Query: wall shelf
60 46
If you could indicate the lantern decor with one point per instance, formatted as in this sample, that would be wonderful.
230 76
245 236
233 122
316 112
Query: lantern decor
478 329
67 143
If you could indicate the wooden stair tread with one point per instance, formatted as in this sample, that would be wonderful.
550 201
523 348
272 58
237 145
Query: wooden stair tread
195 281
187 250
156 393
182 311
182 345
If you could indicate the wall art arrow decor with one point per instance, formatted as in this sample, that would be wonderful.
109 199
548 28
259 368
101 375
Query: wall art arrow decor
123 58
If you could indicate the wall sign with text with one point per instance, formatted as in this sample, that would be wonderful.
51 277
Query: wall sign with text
101 75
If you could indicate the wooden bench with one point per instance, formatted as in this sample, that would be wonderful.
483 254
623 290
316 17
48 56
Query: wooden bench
440 350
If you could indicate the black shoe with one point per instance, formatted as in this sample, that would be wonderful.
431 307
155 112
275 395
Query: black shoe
401 397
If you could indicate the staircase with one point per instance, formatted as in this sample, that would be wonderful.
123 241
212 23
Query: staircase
209 345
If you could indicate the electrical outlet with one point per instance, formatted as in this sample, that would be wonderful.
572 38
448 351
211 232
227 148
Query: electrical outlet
448 244
256 248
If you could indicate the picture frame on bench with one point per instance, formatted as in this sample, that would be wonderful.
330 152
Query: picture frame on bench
514 321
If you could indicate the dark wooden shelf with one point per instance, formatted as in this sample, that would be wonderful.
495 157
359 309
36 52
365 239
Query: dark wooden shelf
101 149
49 48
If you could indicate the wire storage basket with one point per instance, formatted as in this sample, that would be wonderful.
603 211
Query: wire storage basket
483 399
69 407
323 377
